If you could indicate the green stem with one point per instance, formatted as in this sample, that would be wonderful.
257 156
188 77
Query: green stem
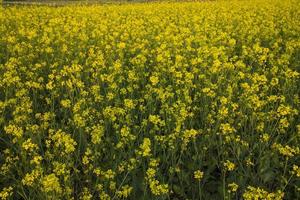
199 186
224 184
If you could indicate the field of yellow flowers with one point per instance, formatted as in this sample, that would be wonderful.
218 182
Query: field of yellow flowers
166 101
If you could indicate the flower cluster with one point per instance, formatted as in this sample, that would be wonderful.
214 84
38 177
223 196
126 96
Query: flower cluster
164 100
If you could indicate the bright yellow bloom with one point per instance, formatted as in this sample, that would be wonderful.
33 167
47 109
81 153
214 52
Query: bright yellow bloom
51 184
66 103
229 166
145 147
198 175
253 193
6 193
154 80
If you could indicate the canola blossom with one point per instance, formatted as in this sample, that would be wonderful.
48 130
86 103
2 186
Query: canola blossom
194 100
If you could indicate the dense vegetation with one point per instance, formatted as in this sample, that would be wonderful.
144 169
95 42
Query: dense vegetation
150 101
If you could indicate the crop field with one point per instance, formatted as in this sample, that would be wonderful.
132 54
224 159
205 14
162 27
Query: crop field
150 101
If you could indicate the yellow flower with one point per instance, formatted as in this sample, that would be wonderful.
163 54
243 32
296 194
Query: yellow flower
59 168
30 178
249 162
253 193
226 128
6 193
14 130
62 139
155 187
29 146
87 156
86 195
145 148
209 92
154 80
122 45
97 134
230 166
51 183
233 187
109 174
124 192
112 185
129 103
265 137
296 170
158 189
198 175
189 135
36 160
286 150
66 103
153 162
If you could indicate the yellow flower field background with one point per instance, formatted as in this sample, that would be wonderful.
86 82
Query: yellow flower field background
196 100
